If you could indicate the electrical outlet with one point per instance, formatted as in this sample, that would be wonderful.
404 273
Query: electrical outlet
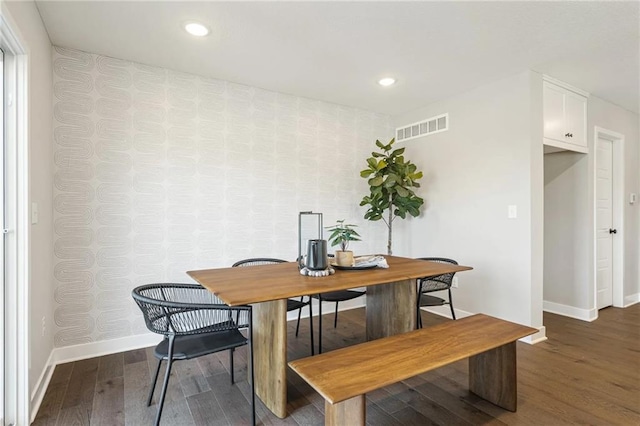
44 326
454 282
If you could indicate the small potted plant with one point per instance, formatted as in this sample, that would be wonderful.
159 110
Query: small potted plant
342 234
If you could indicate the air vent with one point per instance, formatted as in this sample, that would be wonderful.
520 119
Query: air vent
437 124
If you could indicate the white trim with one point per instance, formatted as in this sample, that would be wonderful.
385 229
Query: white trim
618 203
570 311
632 299
565 85
17 354
103 347
41 386
536 338
445 311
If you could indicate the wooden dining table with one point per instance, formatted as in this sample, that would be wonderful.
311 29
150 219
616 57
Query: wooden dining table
391 307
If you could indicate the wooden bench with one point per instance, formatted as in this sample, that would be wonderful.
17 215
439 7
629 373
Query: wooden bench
344 376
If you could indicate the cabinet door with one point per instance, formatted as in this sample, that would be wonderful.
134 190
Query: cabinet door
575 112
554 122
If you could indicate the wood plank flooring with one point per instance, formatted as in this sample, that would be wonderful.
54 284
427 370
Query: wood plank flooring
586 373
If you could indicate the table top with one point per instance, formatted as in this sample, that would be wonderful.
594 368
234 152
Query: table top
255 284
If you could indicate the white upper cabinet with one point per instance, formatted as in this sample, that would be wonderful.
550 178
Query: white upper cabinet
565 118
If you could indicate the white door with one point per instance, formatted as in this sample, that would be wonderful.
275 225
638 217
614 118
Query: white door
604 226
2 226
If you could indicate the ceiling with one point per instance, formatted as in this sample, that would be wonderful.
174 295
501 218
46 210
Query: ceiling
336 51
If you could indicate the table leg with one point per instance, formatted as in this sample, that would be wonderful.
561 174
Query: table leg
492 376
270 354
391 309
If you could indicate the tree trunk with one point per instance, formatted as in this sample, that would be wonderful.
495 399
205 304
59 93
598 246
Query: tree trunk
390 225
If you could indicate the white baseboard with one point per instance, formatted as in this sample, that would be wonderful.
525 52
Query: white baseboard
538 337
570 311
41 387
104 347
444 311
631 300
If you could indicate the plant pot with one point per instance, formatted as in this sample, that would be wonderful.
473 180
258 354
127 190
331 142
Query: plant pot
344 258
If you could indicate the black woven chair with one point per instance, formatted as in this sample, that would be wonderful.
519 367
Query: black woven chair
337 297
292 304
194 323
431 284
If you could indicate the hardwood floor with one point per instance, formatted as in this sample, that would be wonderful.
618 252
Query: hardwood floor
586 373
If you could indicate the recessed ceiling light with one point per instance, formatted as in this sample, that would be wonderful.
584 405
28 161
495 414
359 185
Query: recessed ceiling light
386 81
196 29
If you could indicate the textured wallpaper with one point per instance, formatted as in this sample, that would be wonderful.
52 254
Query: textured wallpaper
159 172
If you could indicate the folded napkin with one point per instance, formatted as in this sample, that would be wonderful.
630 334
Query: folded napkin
364 261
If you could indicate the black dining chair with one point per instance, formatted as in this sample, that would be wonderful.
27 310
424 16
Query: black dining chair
337 297
332 296
435 283
292 304
194 323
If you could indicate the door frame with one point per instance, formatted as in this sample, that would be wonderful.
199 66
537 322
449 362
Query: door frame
617 214
16 311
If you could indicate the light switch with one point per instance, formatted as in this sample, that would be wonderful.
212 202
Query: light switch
633 197
512 212
34 213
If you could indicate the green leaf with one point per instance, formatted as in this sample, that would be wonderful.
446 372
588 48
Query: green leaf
376 181
366 173
390 181
402 192
372 162
379 144
381 165
397 152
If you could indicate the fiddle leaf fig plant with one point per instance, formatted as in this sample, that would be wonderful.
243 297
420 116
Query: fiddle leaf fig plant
391 180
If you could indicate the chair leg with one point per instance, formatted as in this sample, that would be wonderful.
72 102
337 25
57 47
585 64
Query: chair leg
166 380
153 383
231 363
311 325
335 318
253 385
298 323
320 323
453 314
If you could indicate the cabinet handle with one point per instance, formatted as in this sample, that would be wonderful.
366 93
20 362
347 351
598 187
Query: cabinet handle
566 135
570 135
613 231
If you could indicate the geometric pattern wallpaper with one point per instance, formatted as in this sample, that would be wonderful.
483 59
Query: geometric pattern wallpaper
159 172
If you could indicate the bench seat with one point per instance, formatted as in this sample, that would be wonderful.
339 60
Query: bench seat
345 375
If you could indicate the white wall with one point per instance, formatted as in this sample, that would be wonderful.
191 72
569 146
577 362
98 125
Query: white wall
489 159
159 172
32 32
612 117
567 217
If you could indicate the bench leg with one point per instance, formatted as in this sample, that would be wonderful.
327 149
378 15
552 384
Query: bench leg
492 376
351 412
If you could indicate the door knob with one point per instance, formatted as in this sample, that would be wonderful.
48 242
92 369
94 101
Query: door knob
613 231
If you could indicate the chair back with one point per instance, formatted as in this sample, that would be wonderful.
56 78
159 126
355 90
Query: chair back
439 282
257 261
186 309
